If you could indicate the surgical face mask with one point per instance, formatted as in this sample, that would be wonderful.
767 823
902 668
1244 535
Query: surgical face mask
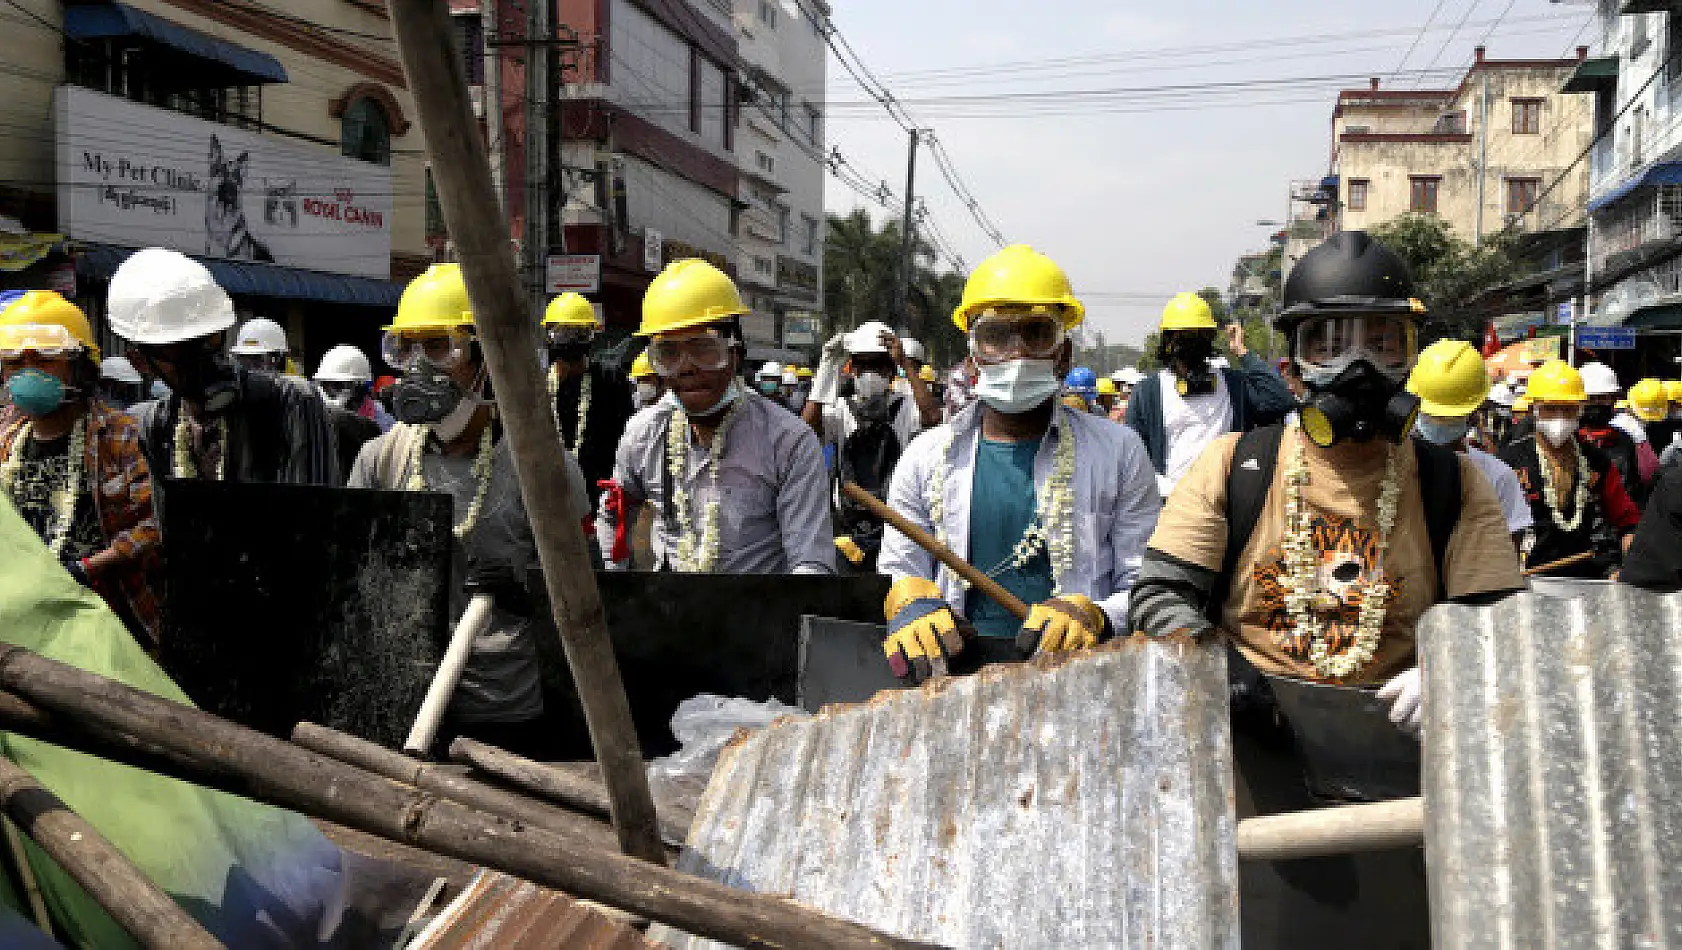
35 393
731 394
1017 385
1441 431
646 393
1557 431
870 385
770 387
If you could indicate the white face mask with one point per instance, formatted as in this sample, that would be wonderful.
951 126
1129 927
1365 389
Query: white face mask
1017 385
1557 431
454 423
646 393
342 400
870 385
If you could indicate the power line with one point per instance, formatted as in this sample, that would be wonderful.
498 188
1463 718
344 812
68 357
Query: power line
1455 32
1416 38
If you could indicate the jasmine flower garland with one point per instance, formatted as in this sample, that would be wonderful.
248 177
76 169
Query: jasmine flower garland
481 475
1580 497
695 555
583 404
184 466
64 494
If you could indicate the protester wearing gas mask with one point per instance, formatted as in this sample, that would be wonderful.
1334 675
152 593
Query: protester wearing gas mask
867 431
1577 499
261 344
71 465
221 422
1636 468
1314 546
591 399
1052 503
1187 405
1452 384
736 482
447 440
346 380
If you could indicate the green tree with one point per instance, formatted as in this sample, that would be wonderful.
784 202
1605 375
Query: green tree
861 264
1448 271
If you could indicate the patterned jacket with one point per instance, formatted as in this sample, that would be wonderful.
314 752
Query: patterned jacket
122 496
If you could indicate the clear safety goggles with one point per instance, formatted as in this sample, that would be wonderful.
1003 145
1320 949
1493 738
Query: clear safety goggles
445 349
562 334
707 352
1325 345
43 339
1006 334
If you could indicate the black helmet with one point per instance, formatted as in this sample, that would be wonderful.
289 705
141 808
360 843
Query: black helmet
1350 272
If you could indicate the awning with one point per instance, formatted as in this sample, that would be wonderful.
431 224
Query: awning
1629 7
1663 173
108 21
99 261
1666 316
1592 75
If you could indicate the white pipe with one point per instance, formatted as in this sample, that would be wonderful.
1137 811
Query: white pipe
474 621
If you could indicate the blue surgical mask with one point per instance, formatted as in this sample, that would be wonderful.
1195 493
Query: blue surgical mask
1442 431
1017 385
35 393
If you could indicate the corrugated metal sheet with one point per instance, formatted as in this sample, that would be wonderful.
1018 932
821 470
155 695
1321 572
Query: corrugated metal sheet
1553 763
1085 802
499 912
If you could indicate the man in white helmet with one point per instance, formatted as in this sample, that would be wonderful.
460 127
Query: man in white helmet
866 431
120 383
768 382
261 344
221 422
344 380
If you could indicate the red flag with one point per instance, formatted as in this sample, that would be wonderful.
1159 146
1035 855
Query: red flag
1491 342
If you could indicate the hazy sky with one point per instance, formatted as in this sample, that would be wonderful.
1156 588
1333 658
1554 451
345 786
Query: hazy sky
1142 192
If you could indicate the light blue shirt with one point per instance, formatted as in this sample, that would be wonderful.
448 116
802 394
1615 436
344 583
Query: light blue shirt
1115 505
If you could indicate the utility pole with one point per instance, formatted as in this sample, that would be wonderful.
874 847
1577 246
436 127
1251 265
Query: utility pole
538 51
902 314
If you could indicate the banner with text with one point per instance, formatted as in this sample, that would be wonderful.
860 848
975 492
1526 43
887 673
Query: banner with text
134 175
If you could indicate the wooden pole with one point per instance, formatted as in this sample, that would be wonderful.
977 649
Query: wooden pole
1577 558
1379 826
474 621
551 784
132 900
372 757
941 552
507 330
276 772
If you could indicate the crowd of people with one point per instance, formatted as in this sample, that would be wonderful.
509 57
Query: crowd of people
1308 511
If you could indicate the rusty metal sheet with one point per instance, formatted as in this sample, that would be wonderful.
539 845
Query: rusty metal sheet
499 912
1084 801
1553 756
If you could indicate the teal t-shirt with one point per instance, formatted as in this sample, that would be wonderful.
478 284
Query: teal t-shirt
1001 508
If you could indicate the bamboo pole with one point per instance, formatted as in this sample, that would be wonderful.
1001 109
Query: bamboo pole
977 579
132 900
1577 558
270 770
507 330
1379 826
551 784
428 777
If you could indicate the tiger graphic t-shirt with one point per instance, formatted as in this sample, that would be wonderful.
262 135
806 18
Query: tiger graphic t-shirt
1342 501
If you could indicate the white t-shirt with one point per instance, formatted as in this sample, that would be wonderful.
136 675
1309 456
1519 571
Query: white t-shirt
839 421
1507 490
1190 424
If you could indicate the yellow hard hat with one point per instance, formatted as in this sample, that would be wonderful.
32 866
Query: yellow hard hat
1673 390
570 310
641 368
46 308
1187 311
1556 381
1022 276
688 293
1450 379
926 374
803 372
434 302
1648 401
1521 404
1107 387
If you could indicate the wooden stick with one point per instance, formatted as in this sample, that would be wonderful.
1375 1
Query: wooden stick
941 552
372 757
1380 826
132 900
563 788
26 874
507 331
1577 558
266 769
474 621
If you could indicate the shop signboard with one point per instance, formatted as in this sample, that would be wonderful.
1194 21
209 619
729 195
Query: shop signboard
133 175
800 329
575 273
1606 338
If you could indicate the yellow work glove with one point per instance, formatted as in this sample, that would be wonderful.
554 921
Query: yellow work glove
922 630
849 549
1069 622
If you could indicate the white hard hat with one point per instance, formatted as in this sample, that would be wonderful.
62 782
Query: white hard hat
771 370
1129 375
789 379
159 296
915 349
344 364
1599 380
868 338
259 336
1501 394
1219 362
118 369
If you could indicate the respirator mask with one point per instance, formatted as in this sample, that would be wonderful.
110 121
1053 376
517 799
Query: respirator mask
203 372
1354 367
428 395
1597 416
1187 353
568 344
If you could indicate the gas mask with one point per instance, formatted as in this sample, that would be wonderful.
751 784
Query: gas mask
1356 405
427 395
571 352
208 376
870 385
1597 416
1187 354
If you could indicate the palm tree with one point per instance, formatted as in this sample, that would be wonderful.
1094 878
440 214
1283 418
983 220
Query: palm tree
861 265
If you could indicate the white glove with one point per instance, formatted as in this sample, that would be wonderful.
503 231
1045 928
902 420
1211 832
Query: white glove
826 380
1406 696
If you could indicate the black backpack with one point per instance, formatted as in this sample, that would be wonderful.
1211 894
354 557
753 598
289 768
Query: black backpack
1247 486
868 458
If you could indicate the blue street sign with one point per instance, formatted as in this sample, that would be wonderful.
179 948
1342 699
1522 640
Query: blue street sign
1606 338
1565 309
